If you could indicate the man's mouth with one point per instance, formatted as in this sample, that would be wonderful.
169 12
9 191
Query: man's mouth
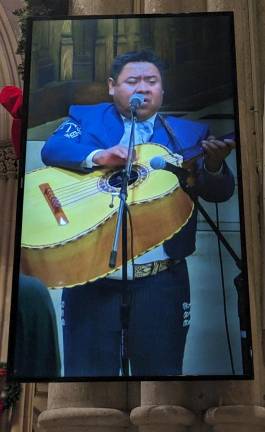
146 101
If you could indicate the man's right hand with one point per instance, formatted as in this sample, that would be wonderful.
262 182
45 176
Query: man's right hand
112 157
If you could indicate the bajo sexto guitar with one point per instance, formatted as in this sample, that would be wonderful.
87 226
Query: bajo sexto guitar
69 218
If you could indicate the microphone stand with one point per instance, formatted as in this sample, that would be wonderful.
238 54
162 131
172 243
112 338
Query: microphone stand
240 280
121 225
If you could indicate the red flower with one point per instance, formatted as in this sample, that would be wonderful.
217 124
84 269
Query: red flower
12 99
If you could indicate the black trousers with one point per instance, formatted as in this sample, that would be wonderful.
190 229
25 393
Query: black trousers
158 325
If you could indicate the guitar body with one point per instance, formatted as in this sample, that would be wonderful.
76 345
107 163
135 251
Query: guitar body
69 218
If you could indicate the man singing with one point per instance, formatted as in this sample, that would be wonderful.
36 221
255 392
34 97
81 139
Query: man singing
98 136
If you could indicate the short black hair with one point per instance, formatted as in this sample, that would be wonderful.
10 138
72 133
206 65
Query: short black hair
145 55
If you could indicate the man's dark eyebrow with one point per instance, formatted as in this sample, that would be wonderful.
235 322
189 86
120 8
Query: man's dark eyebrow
145 76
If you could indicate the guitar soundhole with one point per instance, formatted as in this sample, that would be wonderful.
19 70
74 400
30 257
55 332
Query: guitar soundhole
111 182
116 178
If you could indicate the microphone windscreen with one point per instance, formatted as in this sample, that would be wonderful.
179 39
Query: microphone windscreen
136 99
157 163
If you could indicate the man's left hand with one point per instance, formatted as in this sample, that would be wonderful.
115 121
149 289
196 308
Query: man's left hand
215 152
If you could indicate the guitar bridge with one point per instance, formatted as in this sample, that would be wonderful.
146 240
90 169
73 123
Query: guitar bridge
54 204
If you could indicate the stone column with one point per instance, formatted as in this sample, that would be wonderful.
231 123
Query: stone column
103 50
100 7
158 418
85 407
66 51
133 33
174 6
237 418
163 408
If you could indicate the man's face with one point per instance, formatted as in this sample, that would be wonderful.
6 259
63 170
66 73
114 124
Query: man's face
137 77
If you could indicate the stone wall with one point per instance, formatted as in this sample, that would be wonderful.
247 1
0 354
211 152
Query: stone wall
229 406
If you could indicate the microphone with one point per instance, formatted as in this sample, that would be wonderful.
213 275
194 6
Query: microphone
135 101
184 176
159 163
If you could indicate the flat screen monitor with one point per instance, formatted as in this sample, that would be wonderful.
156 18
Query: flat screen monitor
130 258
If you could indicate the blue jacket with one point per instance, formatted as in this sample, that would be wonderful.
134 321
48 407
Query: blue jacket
100 126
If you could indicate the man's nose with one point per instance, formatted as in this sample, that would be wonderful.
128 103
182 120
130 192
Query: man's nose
142 87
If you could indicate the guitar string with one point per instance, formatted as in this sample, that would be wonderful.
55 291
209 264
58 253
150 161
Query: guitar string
83 192
93 182
73 201
88 184
75 192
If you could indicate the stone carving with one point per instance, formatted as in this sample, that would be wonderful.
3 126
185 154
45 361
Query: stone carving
8 162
